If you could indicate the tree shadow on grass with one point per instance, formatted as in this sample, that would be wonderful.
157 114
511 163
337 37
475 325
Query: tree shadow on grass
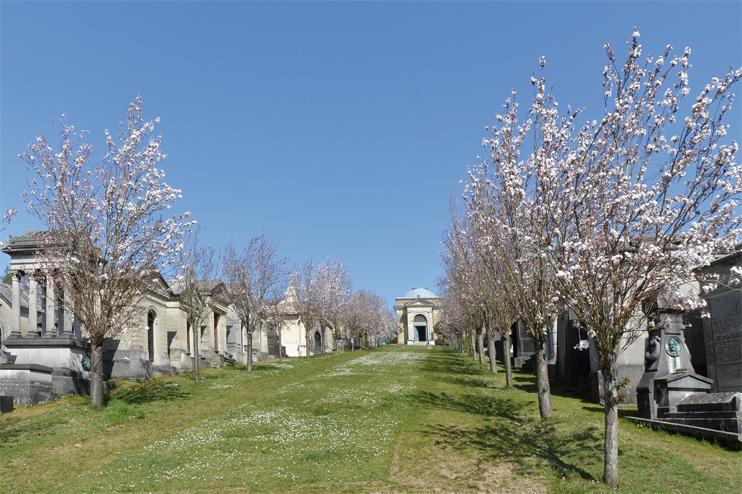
31 427
468 381
508 433
451 368
488 406
152 392
622 412
519 443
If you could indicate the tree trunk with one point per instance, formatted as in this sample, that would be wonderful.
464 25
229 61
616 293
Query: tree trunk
480 344
610 395
280 347
96 373
542 381
323 332
309 339
506 358
196 357
472 337
491 349
249 352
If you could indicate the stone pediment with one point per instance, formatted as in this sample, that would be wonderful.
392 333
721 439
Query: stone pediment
420 302
685 380
159 286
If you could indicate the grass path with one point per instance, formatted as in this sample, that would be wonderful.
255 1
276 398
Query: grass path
399 419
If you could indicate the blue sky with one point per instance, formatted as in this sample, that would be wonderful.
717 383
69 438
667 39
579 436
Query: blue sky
338 128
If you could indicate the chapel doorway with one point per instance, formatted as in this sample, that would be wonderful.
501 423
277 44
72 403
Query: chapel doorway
420 328
216 332
317 342
151 316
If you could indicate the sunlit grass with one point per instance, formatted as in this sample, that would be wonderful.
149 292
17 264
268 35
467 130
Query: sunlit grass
400 419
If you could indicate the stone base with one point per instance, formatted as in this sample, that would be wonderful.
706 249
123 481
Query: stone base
163 370
63 353
28 384
129 365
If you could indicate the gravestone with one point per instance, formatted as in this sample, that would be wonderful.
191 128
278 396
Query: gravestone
6 404
668 373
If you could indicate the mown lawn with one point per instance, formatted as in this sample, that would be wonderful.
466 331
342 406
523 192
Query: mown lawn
399 419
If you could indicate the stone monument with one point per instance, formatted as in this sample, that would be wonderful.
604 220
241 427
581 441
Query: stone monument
668 372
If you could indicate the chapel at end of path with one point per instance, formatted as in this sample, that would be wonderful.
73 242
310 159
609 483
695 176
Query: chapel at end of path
418 312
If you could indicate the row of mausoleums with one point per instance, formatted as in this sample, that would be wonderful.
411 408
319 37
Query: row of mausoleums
43 344
710 348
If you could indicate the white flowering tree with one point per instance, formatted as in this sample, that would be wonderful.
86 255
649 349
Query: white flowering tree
367 314
256 279
109 229
649 196
334 287
513 208
277 312
308 301
463 281
471 265
197 263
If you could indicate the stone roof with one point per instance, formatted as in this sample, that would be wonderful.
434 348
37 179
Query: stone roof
420 292
176 286
31 241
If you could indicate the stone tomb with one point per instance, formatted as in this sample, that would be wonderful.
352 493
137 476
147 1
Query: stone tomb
53 337
68 357
668 373
27 384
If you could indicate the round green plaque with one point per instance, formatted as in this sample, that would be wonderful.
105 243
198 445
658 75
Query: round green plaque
673 346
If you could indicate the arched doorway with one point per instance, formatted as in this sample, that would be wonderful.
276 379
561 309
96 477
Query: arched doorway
420 328
317 342
151 317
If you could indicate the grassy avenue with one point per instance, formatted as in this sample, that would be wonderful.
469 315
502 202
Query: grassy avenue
398 419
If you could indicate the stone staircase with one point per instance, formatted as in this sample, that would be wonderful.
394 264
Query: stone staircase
717 411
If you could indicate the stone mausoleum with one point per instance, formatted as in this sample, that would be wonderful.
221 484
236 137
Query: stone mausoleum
418 312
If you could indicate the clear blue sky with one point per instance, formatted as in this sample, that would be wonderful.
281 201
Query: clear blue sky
339 128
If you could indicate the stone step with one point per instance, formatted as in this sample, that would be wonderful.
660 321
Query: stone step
719 424
709 415
729 439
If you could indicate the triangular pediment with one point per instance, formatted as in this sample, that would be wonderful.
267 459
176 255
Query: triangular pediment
420 302
159 286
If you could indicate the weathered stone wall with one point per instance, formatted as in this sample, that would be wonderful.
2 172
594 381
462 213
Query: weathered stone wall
723 337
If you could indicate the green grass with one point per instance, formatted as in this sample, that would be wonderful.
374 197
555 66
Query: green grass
400 419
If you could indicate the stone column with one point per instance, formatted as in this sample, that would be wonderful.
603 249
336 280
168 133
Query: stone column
69 321
32 307
15 318
42 304
51 313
